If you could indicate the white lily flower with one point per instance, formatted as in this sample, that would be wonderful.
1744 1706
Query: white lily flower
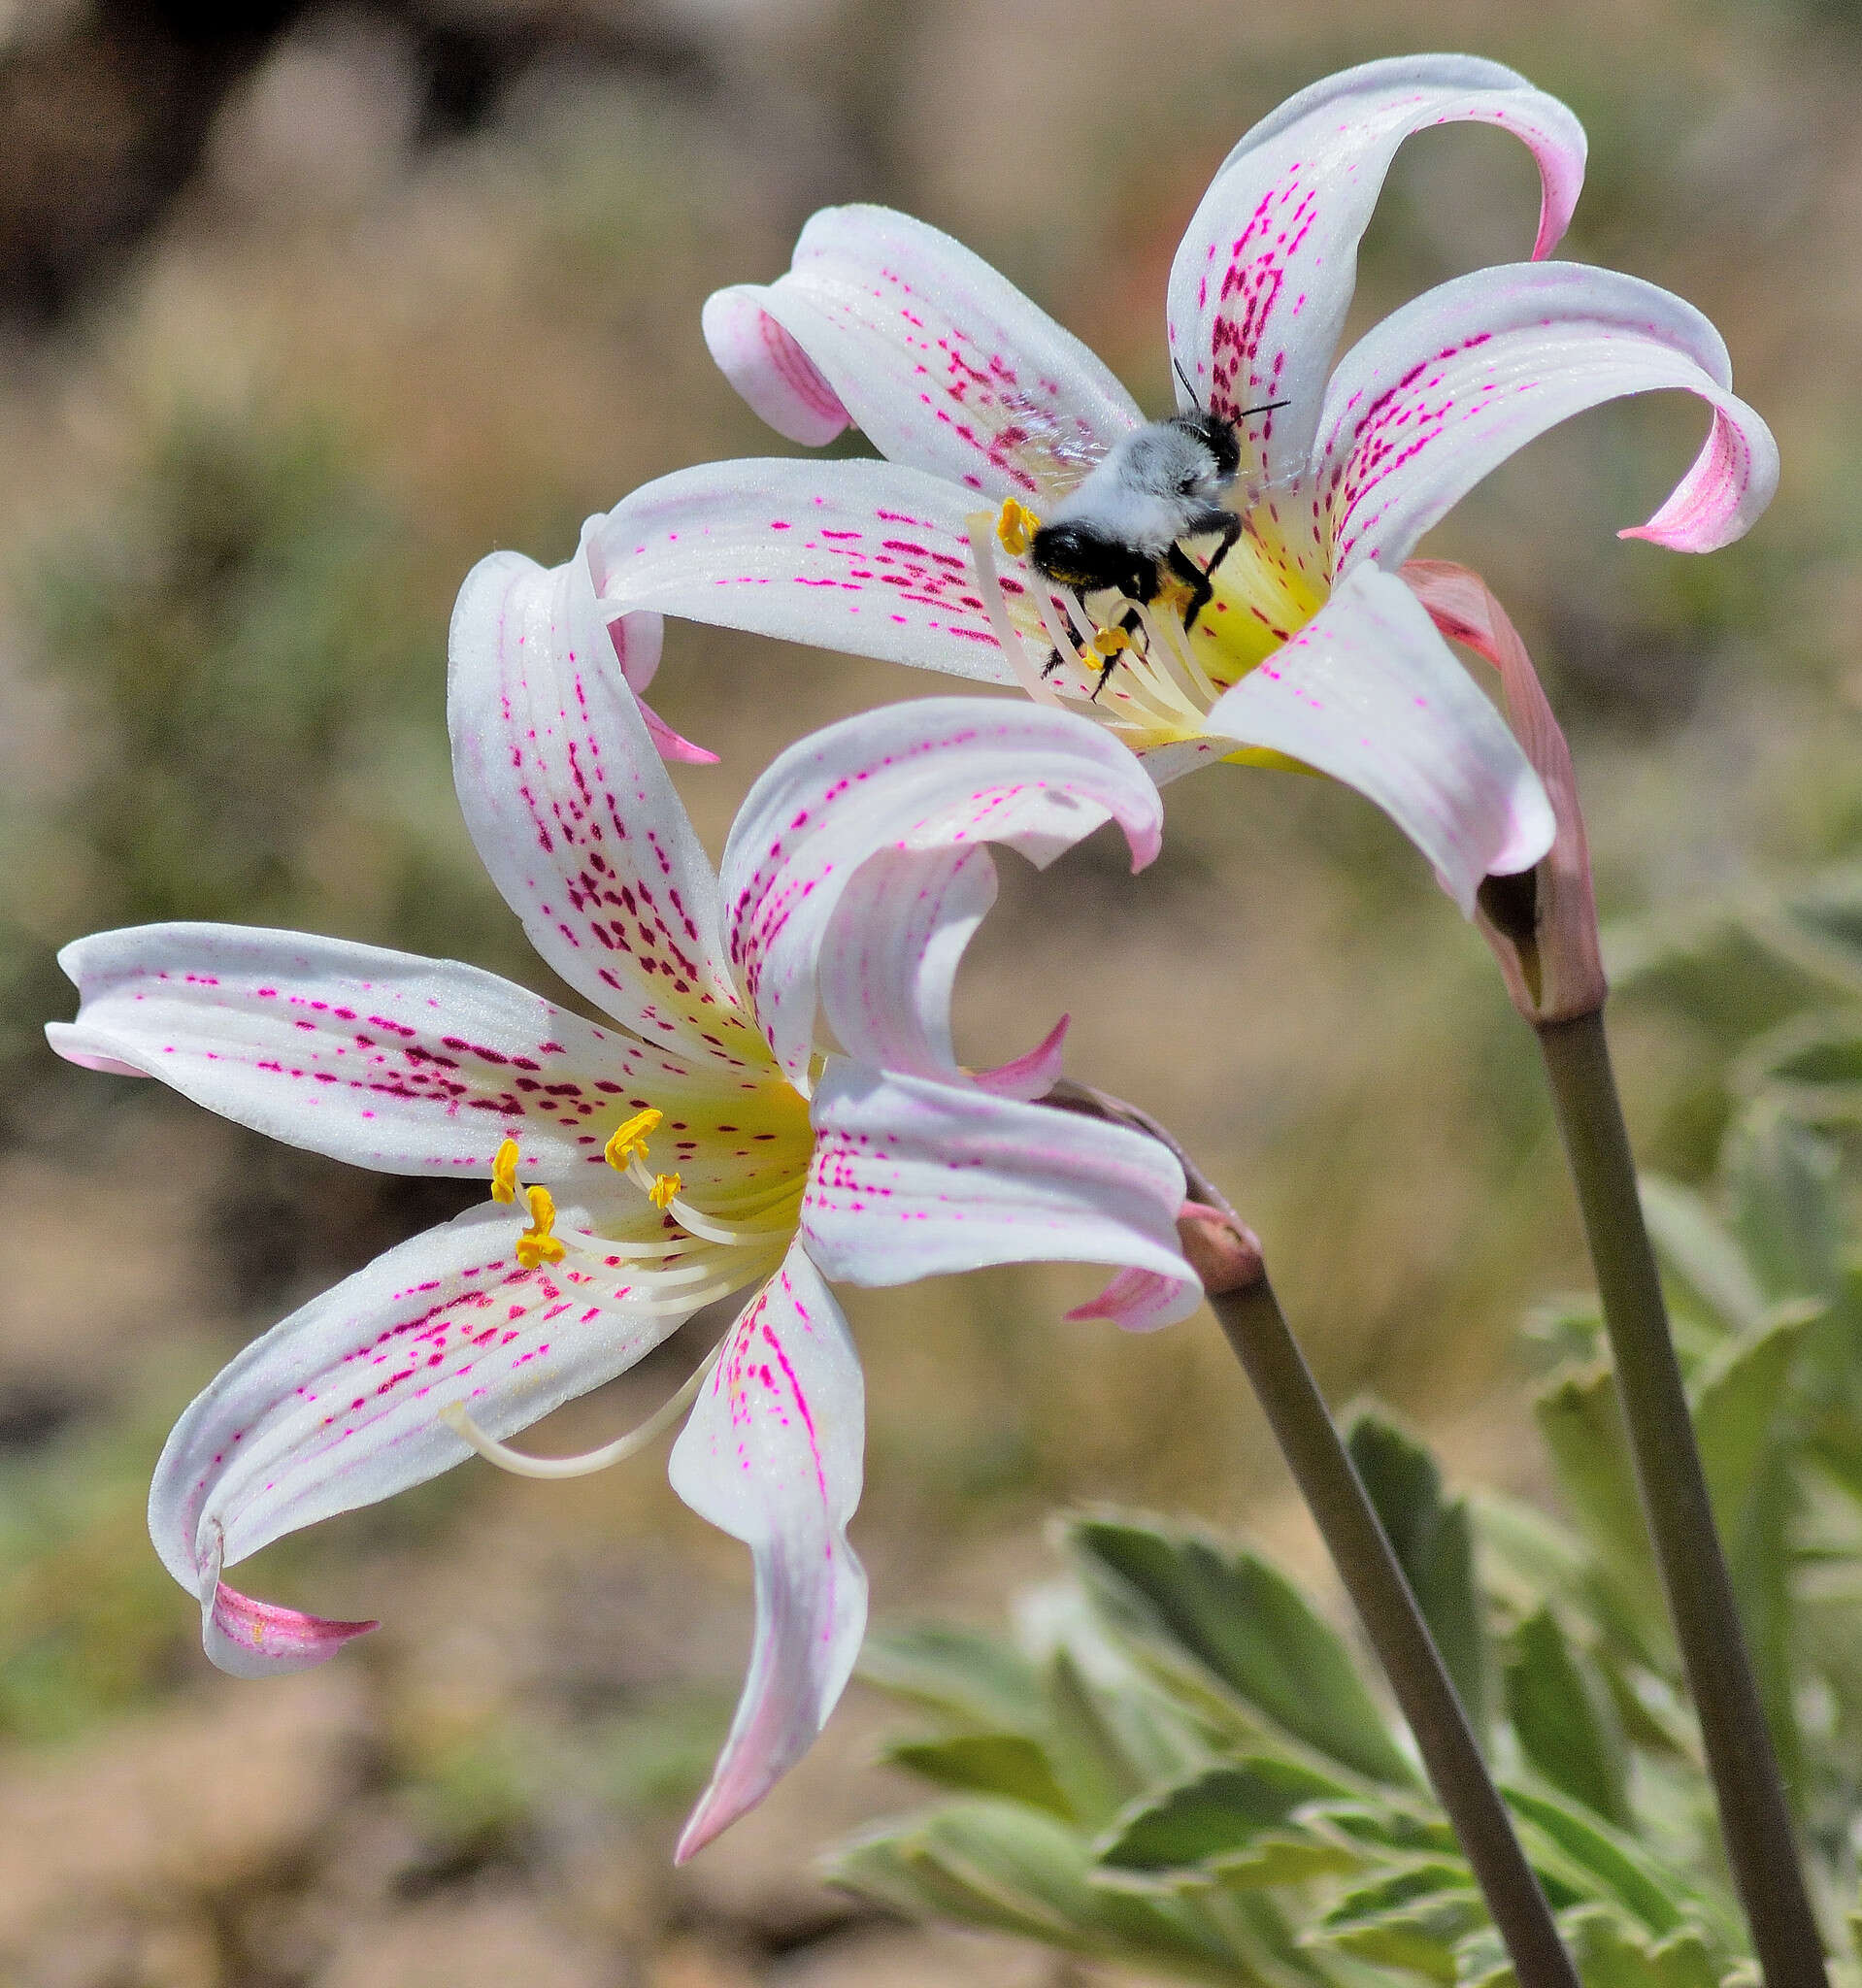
703 1144
990 414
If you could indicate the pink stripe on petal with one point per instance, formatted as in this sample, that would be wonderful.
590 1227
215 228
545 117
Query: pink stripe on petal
941 361
378 1058
1715 500
338 1406
573 812
669 745
1445 389
773 1456
1136 1301
252 1639
1369 693
1262 282
905 780
864 557
769 368
916 1179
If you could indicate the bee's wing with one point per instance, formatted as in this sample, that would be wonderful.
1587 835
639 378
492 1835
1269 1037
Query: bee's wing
1072 451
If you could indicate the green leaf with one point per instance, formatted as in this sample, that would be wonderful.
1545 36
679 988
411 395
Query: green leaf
1005 1764
1608 1954
1700 1254
1413 1920
972 1679
1092 1759
1782 1185
1223 1810
1433 1542
1241 1622
1582 1420
988 1864
1812 1065
1278 1859
1828 914
1013 1870
1739 1418
1566 1726
1629 1876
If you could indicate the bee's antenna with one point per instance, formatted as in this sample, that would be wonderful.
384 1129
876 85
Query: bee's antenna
1188 387
1265 408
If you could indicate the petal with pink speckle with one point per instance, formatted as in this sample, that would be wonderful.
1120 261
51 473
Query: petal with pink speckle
940 360
1447 388
914 1178
773 1456
937 774
871 557
381 1059
1263 278
574 813
1370 693
338 1406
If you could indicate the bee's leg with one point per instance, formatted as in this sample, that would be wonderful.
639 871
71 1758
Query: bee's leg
1186 569
1231 530
1228 526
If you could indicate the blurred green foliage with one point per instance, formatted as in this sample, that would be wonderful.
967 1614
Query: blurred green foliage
1180 1765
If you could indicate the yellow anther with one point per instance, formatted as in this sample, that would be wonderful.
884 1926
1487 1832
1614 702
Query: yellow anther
1108 643
504 1172
665 1186
537 1245
1176 595
631 1138
1016 527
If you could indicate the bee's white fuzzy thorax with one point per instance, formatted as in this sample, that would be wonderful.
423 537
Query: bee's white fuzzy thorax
1146 488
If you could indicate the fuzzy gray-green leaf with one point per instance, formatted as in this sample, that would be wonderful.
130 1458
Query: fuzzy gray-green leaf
1243 1624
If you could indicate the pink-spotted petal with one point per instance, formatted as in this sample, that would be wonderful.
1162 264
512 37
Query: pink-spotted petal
1369 693
1263 278
939 774
1136 1301
942 362
339 1404
870 557
574 814
1447 388
772 1455
889 961
913 1178
252 1639
890 954
768 367
378 1058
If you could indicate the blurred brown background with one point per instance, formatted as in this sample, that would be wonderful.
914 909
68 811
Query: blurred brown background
304 308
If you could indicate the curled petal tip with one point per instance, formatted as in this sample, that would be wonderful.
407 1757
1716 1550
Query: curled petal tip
668 743
1033 1075
1140 1301
253 1639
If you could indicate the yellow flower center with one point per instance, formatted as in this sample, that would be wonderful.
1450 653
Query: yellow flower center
1261 593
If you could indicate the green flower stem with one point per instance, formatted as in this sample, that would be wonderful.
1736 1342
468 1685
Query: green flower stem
1754 1816
1374 1578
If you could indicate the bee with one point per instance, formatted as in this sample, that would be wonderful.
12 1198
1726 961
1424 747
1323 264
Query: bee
1121 529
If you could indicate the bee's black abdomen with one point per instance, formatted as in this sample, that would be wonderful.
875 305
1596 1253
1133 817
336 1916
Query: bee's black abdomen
1086 560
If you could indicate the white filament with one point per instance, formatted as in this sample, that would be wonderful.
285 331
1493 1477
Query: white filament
590 1461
